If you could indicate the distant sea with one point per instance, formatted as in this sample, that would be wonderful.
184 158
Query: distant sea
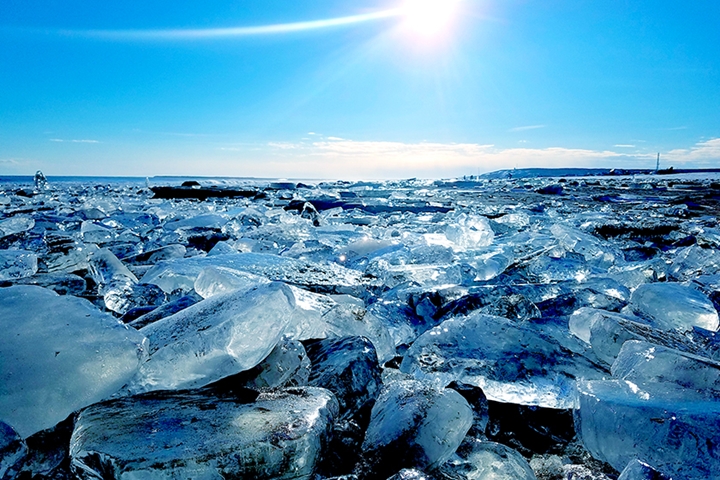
142 181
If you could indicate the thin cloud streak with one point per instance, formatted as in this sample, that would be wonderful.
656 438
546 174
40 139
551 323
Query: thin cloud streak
210 33
527 127
60 140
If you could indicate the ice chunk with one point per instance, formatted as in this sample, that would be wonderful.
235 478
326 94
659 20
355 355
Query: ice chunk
407 474
215 338
119 286
490 266
347 319
674 306
545 269
323 277
151 257
514 363
16 224
287 366
222 248
483 460
94 233
58 354
414 425
692 261
40 181
48 452
12 450
674 429
607 332
64 284
166 310
597 253
198 434
469 232
106 268
637 470
16 264
642 362
209 220
73 260
349 368
216 280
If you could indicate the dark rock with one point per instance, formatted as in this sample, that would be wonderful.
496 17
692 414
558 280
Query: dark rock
530 429
202 193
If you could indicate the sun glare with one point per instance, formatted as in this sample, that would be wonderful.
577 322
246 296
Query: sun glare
429 17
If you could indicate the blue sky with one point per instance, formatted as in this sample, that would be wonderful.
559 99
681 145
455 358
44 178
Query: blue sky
150 88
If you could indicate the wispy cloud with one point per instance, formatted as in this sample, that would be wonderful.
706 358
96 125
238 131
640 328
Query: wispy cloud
703 153
371 159
675 128
60 140
9 161
526 127
621 145
209 33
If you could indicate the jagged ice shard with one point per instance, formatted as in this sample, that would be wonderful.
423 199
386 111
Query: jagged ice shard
59 354
511 362
214 338
673 429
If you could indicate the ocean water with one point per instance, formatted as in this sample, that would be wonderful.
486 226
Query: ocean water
20 180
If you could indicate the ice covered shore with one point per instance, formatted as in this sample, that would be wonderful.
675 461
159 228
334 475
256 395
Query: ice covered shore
488 329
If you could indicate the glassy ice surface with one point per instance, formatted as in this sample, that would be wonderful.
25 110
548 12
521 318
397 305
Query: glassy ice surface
674 306
348 367
415 425
200 434
409 474
214 338
329 277
59 354
672 428
12 450
16 224
287 365
637 470
483 460
511 362
642 362
15 264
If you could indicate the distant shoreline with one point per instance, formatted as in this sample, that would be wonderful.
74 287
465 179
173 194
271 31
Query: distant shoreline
507 174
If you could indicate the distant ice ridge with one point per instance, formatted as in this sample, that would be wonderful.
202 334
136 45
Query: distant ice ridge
528 328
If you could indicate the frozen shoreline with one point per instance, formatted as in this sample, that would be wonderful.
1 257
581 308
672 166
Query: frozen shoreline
494 311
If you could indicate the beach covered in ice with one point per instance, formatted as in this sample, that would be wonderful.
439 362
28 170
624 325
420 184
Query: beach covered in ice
483 328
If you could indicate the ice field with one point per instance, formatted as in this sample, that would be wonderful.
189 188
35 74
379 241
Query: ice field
479 328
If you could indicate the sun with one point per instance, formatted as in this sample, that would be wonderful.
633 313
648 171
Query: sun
429 17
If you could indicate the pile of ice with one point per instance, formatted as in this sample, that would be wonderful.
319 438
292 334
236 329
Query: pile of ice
505 329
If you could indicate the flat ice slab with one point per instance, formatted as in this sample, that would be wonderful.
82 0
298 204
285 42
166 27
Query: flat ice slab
201 435
57 355
215 338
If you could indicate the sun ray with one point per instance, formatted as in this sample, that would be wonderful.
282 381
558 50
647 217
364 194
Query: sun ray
210 33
